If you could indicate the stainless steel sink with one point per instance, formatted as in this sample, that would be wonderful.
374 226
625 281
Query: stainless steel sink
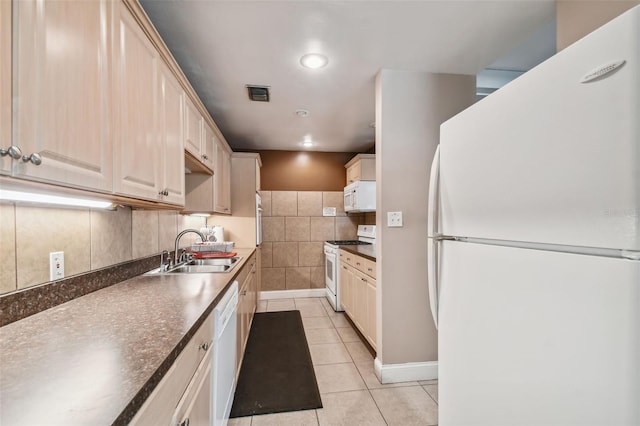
202 266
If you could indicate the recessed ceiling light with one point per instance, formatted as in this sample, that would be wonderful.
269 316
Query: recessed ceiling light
302 113
314 60
308 142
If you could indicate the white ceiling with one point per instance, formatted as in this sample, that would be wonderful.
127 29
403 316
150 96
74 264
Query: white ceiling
224 45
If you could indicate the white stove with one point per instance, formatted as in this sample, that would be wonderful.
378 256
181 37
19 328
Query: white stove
366 235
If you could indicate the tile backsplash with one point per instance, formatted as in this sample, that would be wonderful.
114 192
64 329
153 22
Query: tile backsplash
293 234
90 239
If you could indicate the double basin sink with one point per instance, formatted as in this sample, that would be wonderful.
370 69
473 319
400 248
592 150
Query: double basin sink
195 266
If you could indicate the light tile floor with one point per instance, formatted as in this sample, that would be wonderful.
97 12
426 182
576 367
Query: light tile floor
351 393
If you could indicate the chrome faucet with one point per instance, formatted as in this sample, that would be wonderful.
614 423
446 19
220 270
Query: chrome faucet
177 258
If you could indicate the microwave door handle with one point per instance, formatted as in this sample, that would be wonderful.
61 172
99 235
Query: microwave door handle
433 244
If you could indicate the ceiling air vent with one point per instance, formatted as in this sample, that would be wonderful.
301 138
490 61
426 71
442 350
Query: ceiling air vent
258 93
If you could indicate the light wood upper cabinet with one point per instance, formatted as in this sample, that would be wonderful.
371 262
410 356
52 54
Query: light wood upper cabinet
208 151
222 180
172 131
193 134
5 84
62 81
361 167
137 153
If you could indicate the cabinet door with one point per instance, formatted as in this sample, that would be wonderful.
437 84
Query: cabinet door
195 406
222 180
5 84
137 152
208 148
359 300
193 135
346 289
353 173
62 83
171 131
371 309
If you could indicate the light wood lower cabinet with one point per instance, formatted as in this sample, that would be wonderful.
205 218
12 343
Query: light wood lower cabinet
358 293
184 387
247 304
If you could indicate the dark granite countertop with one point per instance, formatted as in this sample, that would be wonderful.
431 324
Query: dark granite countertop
365 250
94 360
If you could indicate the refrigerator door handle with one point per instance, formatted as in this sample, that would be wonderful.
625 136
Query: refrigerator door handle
432 229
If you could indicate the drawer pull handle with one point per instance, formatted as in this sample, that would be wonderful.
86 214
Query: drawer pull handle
369 269
204 347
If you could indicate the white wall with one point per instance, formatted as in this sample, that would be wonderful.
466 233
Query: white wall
410 106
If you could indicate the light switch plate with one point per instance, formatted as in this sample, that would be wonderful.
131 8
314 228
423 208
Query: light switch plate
394 219
328 211
56 265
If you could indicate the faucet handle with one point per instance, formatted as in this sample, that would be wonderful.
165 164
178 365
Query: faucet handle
165 260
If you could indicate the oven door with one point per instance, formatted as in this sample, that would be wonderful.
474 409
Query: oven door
331 271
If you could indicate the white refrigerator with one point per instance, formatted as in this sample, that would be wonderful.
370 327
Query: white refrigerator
534 244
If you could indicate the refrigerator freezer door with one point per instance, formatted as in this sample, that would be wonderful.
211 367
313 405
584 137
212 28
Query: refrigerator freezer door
549 159
538 338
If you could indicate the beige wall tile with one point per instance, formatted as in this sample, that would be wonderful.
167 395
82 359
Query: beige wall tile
285 254
266 203
272 229
297 278
8 248
297 228
273 279
322 228
189 222
310 254
317 277
144 233
167 230
110 237
266 250
334 199
346 228
284 203
309 203
40 231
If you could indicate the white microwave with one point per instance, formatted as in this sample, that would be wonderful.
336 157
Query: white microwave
360 196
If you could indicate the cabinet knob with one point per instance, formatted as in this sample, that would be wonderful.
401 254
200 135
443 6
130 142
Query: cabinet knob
205 346
13 152
35 158
164 192
185 422
204 157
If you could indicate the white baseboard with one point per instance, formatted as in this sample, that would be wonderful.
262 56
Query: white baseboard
290 294
408 372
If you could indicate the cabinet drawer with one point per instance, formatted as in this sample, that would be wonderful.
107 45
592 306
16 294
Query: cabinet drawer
366 266
159 407
348 258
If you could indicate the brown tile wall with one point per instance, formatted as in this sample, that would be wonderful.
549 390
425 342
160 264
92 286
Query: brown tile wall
294 231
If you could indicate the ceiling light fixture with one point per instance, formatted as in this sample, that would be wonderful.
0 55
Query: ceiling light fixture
302 113
314 60
32 197
307 143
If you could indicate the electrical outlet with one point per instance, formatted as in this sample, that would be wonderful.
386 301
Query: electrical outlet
328 211
394 219
56 265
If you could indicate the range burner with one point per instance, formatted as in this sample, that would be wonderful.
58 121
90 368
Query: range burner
346 242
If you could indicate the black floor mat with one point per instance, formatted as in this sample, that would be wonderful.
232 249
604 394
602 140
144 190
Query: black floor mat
276 373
